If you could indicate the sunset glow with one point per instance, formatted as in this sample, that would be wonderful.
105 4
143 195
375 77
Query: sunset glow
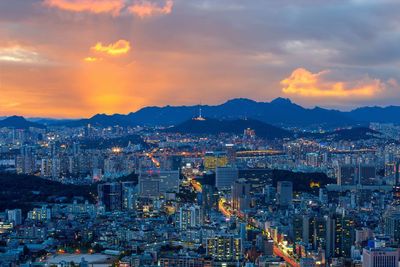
304 83
76 58
118 48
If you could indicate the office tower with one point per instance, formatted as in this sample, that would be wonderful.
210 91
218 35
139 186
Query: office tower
319 236
284 193
129 195
213 160
40 214
209 196
367 174
269 193
340 236
14 216
225 177
264 245
297 225
392 226
189 216
25 162
308 229
110 196
224 247
157 183
240 196
347 175
380 257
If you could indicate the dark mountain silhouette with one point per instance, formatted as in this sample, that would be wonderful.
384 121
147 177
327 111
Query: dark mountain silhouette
19 122
213 126
279 112
390 114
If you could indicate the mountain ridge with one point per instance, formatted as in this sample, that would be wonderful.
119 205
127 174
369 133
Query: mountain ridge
278 112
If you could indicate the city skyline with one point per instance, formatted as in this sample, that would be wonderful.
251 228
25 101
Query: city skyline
73 59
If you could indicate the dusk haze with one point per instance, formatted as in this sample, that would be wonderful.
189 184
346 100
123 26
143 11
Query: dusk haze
200 133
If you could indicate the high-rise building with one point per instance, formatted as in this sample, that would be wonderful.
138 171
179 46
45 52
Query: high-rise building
110 196
347 175
366 174
284 193
225 177
25 162
240 195
224 247
213 160
40 214
380 257
129 195
340 236
297 228
189 216
264 245
14 216
392 226
156 183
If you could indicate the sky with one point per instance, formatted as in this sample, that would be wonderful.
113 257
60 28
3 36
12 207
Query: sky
76 58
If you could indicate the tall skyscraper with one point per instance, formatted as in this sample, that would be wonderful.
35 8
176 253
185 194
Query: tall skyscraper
392 226
366 174
340 236
347 175
284 193
129 195
240 195
225 177
110 196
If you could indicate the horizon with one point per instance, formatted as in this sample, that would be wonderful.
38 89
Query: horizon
55 62
195 105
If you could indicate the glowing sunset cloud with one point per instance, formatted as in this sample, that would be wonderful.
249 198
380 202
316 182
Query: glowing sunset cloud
307 84
93 6
18 54
91 59
118 48
145 8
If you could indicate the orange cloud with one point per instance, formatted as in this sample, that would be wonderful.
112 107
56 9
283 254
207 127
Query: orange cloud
145 8
307 84
118 48
93 6
92 59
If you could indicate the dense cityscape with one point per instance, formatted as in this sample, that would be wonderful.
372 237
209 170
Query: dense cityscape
199 133
149 196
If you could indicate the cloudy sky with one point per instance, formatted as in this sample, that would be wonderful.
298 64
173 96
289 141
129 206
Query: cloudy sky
75 58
